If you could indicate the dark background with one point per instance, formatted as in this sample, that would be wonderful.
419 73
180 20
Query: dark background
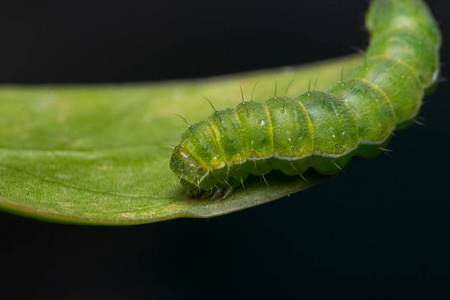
381 229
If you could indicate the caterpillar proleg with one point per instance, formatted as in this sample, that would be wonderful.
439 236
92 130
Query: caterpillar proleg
322 130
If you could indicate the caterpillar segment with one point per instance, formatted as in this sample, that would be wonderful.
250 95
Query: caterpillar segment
320 130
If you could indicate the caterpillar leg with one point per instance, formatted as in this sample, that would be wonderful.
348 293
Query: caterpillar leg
228 192
205 195
217 193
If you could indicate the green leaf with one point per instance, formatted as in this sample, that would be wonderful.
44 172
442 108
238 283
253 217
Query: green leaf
100 154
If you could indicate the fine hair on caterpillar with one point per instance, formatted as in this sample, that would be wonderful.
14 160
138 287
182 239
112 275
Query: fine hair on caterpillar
322 130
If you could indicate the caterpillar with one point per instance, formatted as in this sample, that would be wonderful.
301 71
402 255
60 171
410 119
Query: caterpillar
322 130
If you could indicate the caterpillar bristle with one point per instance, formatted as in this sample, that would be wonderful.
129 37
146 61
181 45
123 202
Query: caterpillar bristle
253 90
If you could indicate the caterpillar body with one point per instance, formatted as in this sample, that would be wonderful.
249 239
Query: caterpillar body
320 130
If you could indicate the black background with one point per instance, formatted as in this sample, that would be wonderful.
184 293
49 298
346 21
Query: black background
381 229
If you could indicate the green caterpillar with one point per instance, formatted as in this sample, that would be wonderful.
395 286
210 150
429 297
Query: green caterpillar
321 130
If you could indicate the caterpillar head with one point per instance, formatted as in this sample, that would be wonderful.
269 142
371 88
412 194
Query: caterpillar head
190 172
